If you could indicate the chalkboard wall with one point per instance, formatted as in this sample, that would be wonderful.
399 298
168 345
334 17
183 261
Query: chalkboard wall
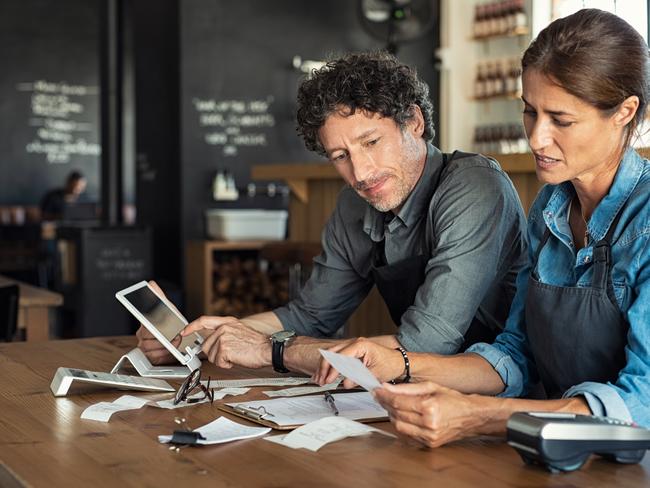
49 96
238 86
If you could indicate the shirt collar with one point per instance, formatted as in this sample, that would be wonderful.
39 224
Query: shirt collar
627 176
414 205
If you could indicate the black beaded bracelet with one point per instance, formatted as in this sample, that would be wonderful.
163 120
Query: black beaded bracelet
407 365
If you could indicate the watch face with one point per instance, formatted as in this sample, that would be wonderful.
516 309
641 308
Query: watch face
283 335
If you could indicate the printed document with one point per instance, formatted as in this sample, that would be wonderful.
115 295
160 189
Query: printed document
302 410
223 430
316 434
352 369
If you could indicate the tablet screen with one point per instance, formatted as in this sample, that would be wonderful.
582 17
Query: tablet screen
159 314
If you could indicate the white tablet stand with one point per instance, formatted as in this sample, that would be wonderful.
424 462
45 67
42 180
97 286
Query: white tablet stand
144 367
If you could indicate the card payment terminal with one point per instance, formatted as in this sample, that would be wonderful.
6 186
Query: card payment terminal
564 441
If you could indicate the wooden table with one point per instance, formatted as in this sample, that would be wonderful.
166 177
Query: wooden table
34 304
43 442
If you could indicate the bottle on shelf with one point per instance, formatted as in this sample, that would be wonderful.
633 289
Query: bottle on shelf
500 139
503 18
499 83
489 79
493 20
479 81
478 27
516 74
511 77
521 20
498 18
498 78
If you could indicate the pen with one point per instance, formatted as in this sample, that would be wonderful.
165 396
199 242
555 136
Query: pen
330 400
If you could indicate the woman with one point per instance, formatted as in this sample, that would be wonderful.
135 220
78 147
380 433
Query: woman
580 322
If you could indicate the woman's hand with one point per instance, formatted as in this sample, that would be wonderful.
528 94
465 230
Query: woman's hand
430 413
385 363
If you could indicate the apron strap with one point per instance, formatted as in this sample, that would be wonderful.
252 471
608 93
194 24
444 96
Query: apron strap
603 262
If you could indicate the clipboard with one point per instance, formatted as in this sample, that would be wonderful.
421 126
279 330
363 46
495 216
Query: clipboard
266 412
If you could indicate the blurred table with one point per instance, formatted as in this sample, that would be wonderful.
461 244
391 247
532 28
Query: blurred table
33 308
44 441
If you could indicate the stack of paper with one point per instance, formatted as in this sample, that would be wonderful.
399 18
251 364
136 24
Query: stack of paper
289 412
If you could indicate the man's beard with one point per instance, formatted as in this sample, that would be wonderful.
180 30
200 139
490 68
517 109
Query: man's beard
387 202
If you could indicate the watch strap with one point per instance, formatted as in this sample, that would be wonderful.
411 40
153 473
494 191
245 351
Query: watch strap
277 356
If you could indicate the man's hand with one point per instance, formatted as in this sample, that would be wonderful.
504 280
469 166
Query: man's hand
231 342
385 363
152 348
430 413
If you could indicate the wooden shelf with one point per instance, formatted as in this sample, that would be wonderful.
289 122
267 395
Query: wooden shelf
233 245
516 163
521 31
199 265
295 171
505 96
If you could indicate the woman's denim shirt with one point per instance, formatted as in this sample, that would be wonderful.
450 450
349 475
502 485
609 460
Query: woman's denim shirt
628 397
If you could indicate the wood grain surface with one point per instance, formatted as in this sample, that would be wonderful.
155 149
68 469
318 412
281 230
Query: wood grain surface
45 443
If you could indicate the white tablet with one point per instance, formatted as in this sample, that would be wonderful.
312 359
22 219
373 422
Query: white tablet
162 320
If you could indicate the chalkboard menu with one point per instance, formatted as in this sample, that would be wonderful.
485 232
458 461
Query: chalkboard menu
238 85
106 261
49 96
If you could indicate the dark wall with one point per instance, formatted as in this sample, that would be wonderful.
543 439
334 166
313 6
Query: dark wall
49 101
238 86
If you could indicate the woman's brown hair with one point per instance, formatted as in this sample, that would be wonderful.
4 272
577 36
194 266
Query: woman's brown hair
595 56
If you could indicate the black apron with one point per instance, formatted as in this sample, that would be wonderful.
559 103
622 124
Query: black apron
576 334
399 282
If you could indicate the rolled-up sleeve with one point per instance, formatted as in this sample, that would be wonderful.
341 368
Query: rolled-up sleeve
603 399
478 224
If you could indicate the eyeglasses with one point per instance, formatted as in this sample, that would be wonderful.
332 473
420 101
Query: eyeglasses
191 383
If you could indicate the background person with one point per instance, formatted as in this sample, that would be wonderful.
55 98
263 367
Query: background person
54 201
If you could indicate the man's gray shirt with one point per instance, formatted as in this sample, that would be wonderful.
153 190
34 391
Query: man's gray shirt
465 216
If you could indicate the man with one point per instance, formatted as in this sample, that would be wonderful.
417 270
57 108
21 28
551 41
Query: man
54 201
441 236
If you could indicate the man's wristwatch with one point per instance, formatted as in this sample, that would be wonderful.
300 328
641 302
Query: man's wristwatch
278 341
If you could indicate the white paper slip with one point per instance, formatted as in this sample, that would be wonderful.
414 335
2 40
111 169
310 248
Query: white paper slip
302 410
223 430
316 434
303 390
290 381
219 394
103 411
352 369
